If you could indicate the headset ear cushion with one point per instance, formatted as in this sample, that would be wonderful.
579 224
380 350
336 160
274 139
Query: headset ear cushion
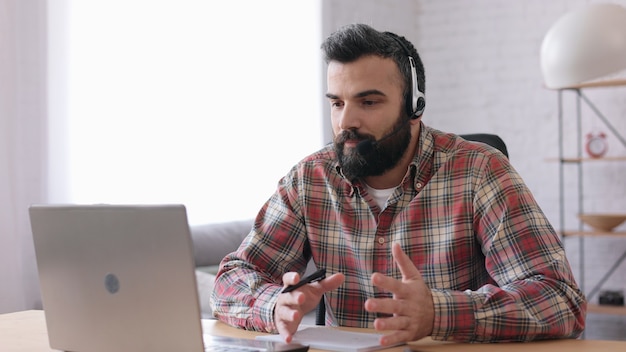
419 110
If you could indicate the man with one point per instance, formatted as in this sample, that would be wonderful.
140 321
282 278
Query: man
425 234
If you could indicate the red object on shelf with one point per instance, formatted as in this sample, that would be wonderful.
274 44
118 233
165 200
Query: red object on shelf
596 145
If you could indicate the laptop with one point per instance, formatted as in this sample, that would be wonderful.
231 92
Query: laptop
121 278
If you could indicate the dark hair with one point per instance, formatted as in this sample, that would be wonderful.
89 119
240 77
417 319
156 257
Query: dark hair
353 41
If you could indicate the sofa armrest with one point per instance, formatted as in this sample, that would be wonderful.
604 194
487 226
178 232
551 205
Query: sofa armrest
212 242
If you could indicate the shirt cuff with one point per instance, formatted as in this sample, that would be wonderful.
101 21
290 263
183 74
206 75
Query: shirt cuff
263 309
454 316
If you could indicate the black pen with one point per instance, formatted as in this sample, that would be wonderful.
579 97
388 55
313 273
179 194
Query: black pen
316 276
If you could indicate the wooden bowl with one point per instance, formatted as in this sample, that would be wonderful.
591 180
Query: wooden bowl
603 222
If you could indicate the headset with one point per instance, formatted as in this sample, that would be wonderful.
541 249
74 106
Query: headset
417 101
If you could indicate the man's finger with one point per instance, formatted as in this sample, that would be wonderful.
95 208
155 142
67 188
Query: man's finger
407 267
291 278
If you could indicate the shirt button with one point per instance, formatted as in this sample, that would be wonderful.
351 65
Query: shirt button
381 240
418 185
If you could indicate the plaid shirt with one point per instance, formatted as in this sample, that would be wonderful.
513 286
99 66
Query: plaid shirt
495 266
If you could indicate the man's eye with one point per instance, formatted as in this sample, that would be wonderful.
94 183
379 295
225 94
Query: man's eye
336 104
369 102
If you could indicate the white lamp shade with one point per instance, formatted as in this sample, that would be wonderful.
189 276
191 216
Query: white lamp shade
584 45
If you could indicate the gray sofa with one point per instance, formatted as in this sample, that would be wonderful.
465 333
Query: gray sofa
211 242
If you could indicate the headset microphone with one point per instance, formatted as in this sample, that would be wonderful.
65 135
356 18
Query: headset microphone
367 146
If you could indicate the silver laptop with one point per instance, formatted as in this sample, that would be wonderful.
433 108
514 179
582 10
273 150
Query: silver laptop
121 278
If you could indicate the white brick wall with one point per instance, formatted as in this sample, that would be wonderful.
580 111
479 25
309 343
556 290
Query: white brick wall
483 75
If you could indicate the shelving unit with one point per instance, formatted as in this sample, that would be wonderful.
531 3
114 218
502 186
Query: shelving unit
598 309
578 162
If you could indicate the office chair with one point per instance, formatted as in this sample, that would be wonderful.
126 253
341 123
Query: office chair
490 139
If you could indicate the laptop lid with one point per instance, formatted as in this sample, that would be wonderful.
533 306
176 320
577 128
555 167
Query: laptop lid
117 277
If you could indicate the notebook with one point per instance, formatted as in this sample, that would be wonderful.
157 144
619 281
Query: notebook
333 339
121 278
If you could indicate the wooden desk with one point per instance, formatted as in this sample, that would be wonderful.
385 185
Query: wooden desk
26 332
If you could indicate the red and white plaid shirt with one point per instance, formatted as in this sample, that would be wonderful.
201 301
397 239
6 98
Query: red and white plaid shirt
495 265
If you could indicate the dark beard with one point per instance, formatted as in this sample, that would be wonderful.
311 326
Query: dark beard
381 158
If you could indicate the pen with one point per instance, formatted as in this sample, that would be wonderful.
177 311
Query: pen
316 276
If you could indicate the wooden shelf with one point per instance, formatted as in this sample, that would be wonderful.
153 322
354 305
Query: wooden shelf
604 309
595 84
580 160
594 233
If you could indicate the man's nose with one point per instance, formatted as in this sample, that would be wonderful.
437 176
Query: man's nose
349 118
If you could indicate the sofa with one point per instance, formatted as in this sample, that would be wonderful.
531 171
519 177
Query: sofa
211 242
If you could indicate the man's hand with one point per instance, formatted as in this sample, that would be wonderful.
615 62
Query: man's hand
412 303
291 307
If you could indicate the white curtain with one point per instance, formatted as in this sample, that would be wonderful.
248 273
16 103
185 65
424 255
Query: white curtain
23 140
205 103
218 100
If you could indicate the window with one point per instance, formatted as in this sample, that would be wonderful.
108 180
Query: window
197 102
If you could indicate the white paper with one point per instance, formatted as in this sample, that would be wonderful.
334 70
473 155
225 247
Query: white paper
333 339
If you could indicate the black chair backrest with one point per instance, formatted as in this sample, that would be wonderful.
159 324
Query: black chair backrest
490 139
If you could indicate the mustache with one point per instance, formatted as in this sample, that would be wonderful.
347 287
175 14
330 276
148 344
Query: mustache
352 134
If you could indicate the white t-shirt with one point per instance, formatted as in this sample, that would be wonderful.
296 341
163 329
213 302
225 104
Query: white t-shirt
380 195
